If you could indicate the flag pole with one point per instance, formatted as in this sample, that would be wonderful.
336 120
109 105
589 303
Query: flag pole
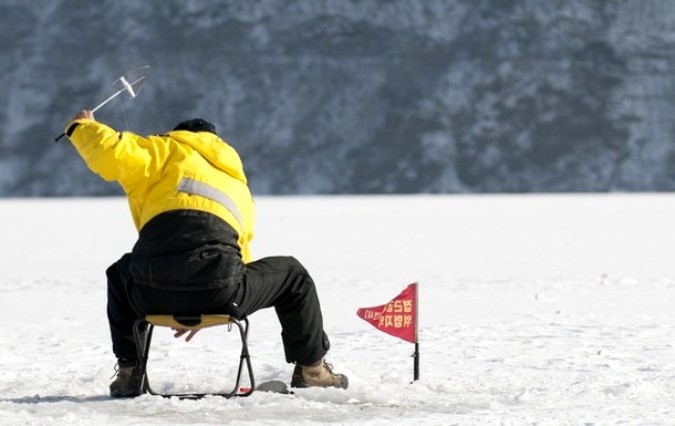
416 355
416 366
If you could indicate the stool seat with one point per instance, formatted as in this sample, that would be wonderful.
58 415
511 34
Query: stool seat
143 329
195 322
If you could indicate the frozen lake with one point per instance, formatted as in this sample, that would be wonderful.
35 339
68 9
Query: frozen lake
533 310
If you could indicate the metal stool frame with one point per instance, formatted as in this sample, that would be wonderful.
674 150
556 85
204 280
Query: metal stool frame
143 328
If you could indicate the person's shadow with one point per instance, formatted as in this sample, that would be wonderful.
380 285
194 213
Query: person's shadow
37 399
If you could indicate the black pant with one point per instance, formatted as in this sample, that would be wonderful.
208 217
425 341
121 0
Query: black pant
279 282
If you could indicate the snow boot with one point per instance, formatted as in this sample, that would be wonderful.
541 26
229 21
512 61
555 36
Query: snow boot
320 374
127 384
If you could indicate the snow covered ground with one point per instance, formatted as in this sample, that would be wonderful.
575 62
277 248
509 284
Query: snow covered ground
545 310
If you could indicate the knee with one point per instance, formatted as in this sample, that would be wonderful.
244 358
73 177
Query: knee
118 270
113 273
295 265
299 274
296 268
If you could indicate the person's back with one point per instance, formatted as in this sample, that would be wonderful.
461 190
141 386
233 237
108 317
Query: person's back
183 169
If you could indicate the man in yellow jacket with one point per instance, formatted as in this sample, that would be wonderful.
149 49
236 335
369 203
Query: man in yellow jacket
193 210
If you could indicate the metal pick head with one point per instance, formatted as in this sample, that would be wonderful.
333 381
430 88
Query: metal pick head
131 82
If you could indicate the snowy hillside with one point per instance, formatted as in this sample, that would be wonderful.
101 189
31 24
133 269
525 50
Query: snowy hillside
547 310
343 96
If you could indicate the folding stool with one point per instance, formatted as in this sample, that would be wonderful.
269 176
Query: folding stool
144 327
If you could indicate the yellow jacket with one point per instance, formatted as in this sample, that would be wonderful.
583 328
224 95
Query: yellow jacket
178 170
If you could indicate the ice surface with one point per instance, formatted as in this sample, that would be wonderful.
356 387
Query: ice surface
534 310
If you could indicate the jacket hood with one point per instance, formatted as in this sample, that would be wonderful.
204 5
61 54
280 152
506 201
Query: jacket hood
214 149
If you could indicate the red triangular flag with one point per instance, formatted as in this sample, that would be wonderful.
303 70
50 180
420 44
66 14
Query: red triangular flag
398 317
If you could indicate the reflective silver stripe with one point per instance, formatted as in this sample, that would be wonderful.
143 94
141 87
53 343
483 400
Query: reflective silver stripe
195 187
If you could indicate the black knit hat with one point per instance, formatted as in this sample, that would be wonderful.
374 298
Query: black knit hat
196 125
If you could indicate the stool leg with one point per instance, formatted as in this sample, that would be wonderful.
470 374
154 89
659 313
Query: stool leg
248 360
245 359
143 337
